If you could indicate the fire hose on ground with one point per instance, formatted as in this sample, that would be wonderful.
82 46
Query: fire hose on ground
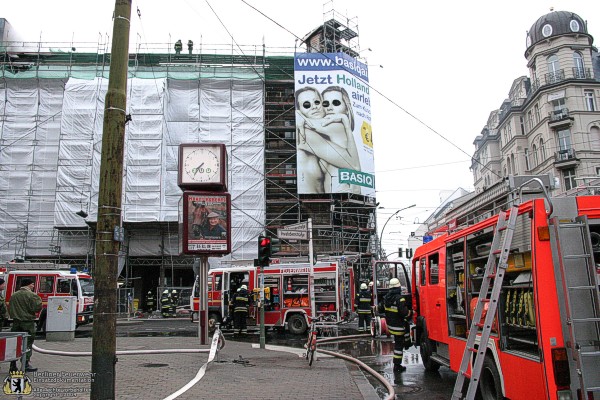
217 344
390 389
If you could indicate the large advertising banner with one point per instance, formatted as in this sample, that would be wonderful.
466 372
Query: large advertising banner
206 223
333 124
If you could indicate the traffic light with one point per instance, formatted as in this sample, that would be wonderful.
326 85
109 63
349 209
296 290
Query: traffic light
264 251
275 245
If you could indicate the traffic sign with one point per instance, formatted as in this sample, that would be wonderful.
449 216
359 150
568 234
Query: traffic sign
297 231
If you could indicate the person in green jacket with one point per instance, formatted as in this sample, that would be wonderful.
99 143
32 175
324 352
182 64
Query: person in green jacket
23 307
3 311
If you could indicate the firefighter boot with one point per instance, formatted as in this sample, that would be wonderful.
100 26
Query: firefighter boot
398 367
29 367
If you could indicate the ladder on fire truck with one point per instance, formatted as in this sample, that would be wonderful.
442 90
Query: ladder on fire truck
494 269
573 244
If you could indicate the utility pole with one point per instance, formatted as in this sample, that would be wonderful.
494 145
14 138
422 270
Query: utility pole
104 341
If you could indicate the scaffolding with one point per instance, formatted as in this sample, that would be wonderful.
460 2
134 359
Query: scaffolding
50 154
338 34
343 223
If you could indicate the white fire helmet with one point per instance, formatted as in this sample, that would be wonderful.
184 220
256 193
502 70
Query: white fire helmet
394 282
363 286
244 287
371 284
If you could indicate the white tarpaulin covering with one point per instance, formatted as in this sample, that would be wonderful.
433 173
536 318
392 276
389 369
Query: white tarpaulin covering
51 138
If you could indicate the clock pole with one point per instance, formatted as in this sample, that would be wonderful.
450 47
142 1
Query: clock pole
203 306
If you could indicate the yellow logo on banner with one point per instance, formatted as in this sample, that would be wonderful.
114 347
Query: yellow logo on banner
367 134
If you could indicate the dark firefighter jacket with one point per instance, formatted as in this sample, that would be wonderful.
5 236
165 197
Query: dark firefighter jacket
241 301
362 302
396 311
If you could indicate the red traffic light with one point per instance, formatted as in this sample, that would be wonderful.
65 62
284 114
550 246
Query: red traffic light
264 242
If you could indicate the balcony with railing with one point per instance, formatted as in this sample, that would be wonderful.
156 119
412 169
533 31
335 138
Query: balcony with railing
582 73
560 117
559 76
555 76
535 85
565 158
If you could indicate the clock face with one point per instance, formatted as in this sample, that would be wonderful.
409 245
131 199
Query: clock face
201 165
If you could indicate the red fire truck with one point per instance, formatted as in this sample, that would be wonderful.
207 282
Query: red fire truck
53 280
544 342
287 293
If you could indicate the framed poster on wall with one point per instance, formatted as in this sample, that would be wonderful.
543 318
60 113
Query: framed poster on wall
206 223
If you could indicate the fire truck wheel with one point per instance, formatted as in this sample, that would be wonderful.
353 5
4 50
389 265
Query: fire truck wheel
297 324
426 348
489 384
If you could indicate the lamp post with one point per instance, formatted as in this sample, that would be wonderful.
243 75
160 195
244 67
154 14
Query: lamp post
384 225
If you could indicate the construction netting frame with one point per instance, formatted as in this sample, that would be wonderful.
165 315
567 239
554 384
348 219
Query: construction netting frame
50 144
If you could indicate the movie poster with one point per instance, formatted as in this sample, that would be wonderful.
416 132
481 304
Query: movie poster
206 223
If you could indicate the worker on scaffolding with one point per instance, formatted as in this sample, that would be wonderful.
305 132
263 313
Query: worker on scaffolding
178 46
190 46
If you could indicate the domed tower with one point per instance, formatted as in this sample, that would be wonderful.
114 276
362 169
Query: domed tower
560 114
558 48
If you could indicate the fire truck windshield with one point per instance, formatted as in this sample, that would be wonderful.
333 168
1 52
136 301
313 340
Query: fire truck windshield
386 270
87 286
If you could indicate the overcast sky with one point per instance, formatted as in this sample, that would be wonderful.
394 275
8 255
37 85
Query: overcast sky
446 65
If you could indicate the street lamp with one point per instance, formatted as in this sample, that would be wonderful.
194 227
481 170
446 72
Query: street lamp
384 225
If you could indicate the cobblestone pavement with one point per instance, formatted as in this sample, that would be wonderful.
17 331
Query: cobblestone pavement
240 370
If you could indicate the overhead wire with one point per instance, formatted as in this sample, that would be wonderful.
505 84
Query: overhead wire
410 114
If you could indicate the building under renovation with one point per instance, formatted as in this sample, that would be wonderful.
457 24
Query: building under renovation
51 119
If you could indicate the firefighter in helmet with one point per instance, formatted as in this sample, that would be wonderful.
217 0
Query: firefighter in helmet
241 303
362 303
150 301
166 303
178 46
396 314
174 302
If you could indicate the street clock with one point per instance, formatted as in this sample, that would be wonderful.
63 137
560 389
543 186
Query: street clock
202 166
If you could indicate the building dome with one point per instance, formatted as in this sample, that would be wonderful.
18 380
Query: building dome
556 23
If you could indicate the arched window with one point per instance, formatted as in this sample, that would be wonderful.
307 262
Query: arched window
578 69
595 138
542 150
514 164
553 69
535 155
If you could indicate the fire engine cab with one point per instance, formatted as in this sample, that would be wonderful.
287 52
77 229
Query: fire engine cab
53 280
288 288
544 341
